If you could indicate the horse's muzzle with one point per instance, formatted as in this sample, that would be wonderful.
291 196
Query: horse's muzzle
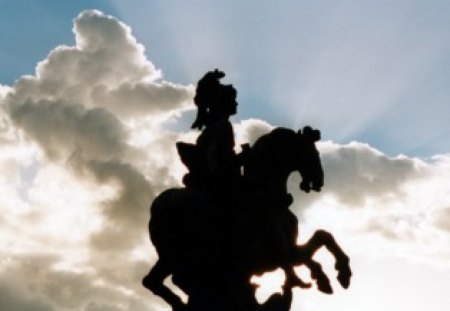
316 188
307 186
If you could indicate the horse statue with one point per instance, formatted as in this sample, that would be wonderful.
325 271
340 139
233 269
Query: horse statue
213 252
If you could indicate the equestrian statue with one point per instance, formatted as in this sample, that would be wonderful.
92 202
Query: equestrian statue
231 220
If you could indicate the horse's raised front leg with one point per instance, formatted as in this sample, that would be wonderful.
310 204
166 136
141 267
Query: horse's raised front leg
323 238
292 278
153 281
317 274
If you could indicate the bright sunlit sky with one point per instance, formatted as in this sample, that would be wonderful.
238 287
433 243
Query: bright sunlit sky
92 102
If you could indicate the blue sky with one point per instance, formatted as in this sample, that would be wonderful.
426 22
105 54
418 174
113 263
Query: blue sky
379 69
31 29
85 146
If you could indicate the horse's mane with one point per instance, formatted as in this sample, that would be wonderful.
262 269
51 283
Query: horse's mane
268 150
283 137
276 138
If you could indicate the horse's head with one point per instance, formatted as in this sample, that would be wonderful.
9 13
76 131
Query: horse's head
274 156
309 164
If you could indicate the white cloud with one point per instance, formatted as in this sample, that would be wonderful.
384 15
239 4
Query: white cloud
78 106
247 131
80 192
356 172
13 298
381 205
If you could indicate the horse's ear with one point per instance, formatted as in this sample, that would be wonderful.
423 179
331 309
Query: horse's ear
314 135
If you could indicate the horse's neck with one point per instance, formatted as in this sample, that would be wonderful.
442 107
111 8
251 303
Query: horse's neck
276 182
271 160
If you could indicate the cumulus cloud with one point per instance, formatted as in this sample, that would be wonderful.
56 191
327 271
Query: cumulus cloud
107 68
84 150
36 283
62 130
248 131
81 117
443 219
132 99
356 172
380 205
77 106
13 299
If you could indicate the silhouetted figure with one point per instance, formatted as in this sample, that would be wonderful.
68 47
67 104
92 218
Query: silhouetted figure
224 227
212 162
206 96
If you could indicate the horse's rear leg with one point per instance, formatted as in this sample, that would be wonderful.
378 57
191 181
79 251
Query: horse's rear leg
279 302
153 281
324 238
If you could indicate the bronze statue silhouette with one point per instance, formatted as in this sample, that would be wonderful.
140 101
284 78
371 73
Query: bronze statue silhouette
225 226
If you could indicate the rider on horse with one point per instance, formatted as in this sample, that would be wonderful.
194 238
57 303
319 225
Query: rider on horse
216 168
227 227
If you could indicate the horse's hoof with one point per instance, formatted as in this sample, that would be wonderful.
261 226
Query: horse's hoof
344 273
325 287
344 277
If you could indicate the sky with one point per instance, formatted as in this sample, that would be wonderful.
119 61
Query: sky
94 95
